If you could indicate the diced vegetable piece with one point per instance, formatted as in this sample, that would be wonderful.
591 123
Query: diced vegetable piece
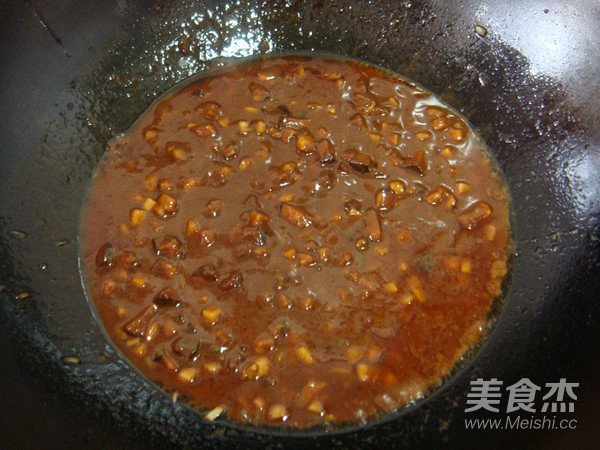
305 143
257 369
498 269
170 246
204 130
259 92
258 218
168 297
106 256
295 215
278 412
305 355
139 281
136 217
384 199
214 413
163 269
187 374
211 314
472 217
207 272
373 225
231 280
366 372
165 206
398 186
137 326
316 407
210 110
418 162
361 162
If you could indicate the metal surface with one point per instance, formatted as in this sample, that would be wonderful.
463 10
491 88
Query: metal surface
75 73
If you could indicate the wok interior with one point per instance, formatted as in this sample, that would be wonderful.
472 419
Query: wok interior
90 78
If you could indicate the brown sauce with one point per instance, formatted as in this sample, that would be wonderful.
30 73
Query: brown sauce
296 241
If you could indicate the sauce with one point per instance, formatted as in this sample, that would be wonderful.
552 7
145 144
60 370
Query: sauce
296 241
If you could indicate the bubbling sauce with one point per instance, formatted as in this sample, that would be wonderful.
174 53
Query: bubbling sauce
296 241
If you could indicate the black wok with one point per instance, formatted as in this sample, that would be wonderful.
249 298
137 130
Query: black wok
75 73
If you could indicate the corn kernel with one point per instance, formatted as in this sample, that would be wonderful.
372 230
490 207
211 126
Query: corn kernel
136 217
187 375
490 232
457 135
245 163
278 412
223 122
462 188
213 367
148 204
364 372
257 369
287 197
381 250
419 294
353 354
290 253
316 407
390 288
466 266
244 126
211 314
139 281
140 350
191 227
305 355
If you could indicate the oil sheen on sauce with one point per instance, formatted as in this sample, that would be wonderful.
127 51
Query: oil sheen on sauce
296 241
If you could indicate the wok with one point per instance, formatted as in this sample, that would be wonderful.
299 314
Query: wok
73 74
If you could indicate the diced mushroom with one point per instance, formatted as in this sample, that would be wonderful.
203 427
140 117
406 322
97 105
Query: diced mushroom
210 110
259 93
138 325
472 217
168 297
207 272
295 215
373 225
384 199
417 162
360 162
353 208
163 269
231 280
258 218
204 130
295 123
106 256
128 260
170 245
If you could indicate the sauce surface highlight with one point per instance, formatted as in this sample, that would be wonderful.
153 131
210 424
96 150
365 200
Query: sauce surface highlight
296 241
